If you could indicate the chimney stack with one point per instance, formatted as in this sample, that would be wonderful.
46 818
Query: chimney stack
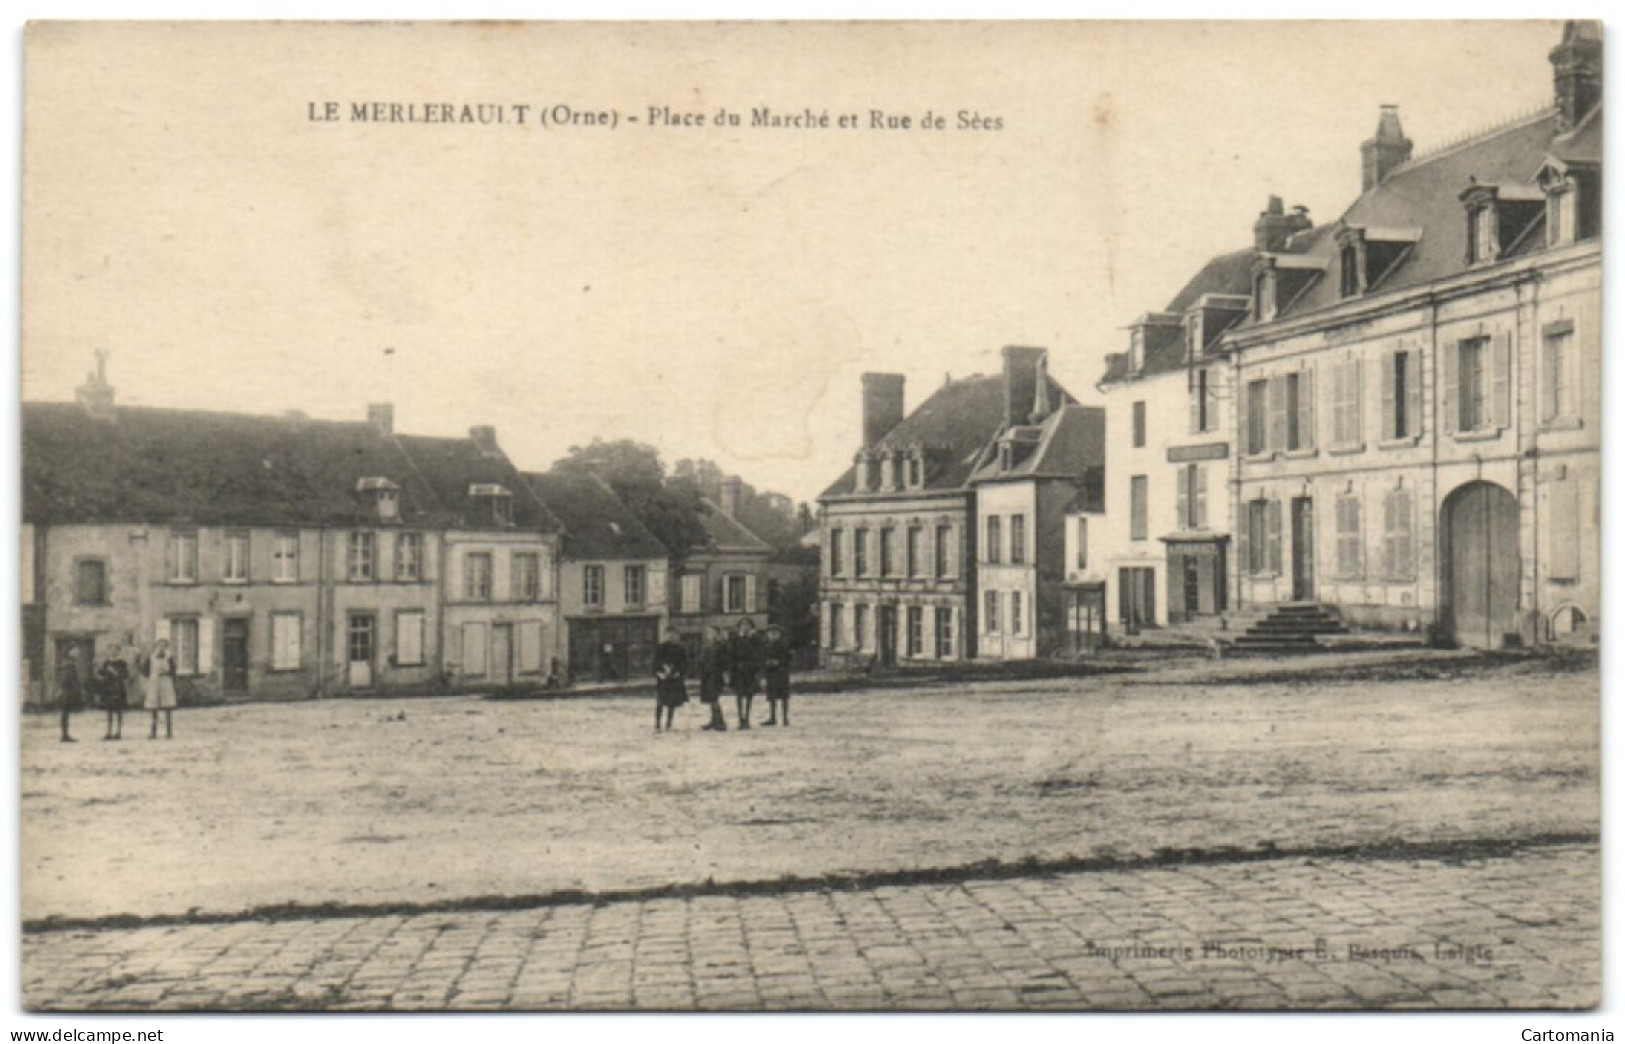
1384 151
730 495
485 437
381 415
882 405
96 395
1577 71
1269 231
1022 367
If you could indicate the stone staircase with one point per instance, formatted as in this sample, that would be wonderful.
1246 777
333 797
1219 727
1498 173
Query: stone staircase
1295 627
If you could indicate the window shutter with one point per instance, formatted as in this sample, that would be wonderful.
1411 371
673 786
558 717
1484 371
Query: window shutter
1447 395
1275 535
750 592
1243 420
1200 484
1357 399
1563 530
719 596
1193 393
1213 399
1306 408
1182 479
1277 429
657 586
1389 416
1502 390
1413 391
205 645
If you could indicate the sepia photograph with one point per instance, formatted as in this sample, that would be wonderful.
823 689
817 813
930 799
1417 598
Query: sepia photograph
960 516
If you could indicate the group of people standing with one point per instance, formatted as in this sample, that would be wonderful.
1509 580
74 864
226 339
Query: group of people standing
742 662
110 684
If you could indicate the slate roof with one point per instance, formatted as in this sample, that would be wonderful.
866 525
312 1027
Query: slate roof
597 523
1425 194
1583 144
725 533
197 467
450 466
1230 273
1072 440
963 415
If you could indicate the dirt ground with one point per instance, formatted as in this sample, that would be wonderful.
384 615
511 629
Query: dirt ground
352 801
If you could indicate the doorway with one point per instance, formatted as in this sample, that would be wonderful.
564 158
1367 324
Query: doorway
1482 564
361 644
234 654
501 653
1303 549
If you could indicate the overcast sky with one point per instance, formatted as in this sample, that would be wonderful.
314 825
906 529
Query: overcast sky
714 292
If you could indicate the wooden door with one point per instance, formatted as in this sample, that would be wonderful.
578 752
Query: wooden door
234 654
1303 549
886 639
1481 537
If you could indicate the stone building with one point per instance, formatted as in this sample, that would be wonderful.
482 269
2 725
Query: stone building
724 580
612 579
1419 409
897 529
282 557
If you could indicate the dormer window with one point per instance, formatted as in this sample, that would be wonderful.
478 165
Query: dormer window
1499 218
496 501
1136 350
1572 213
1193 336
916 470
1560 213
384 495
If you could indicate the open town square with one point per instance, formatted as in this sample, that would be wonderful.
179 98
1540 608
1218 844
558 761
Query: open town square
1178 834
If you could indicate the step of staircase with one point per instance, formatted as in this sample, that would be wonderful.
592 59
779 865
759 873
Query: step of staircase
1291 628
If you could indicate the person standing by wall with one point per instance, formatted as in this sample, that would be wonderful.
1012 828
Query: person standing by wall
70 689
713 675
160 675
671 678
744 668
112 687
776 673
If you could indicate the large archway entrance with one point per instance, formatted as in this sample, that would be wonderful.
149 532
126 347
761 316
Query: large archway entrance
1480 543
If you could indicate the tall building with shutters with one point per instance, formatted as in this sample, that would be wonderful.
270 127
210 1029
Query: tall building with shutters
902 560
1419 384
1163 547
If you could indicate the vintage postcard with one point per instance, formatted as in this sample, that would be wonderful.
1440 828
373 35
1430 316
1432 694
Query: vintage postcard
962 516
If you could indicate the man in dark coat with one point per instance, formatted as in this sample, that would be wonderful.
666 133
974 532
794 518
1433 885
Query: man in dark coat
713 675
70 689
112 687
744 668
776 673
671 678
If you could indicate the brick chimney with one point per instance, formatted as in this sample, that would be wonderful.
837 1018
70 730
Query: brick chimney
882 405
96 395
1270 230
1022 367
381 415
485 437
730 495
1384 151
1577 71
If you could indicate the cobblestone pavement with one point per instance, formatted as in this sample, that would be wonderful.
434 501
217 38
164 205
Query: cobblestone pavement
1515 931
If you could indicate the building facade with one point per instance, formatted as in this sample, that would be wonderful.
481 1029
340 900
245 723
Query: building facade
612 580
1036 474
282 558
1166 542
899 577
1419 386
722 581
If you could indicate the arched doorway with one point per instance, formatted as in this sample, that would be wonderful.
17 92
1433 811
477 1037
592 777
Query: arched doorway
1480 545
